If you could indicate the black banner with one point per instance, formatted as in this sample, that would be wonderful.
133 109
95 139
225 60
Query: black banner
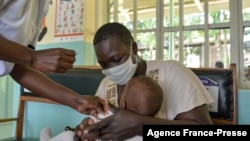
163 132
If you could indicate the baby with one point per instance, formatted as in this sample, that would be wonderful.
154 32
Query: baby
141 95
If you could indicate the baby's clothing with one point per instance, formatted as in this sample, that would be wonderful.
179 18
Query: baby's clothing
45 135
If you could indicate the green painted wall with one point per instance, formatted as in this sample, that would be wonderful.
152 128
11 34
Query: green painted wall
9 96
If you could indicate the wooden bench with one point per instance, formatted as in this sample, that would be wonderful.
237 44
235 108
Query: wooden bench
86 80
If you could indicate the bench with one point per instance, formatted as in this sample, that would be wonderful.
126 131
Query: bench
85 81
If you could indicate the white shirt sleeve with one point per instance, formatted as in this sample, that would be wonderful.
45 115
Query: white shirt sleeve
3 3
5 67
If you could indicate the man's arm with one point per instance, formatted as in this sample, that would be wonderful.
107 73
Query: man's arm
15 53
47 60
117 127
40 84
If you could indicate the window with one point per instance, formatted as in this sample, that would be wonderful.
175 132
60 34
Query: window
197 33
245 63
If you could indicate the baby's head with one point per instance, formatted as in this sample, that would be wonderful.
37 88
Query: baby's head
142 95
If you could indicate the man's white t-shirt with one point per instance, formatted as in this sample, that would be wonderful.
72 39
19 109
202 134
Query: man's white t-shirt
5 67
20 22
182 89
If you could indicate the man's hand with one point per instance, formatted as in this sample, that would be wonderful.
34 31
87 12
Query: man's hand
53 60
92 105
122 125
86 137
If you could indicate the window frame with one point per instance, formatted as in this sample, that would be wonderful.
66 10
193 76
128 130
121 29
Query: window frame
235 25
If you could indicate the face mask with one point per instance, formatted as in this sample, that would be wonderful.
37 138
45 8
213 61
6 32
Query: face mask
122 73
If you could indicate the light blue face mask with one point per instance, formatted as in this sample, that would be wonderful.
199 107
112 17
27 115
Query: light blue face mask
122 73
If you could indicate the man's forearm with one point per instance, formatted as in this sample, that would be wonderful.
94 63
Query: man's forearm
13 52
38 83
